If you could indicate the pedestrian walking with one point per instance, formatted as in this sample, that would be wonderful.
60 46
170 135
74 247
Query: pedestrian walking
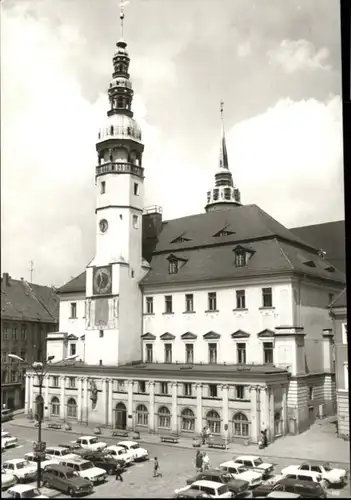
205 462
198 461
157 472
119 471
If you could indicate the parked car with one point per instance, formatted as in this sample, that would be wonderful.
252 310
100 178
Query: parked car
134 448
283 494
331 476
72 446
102 460
253 476
86 469
7 480
7 440
66 480
192 494
267 486
216 490
254 462
236 486
119 453
6 415
59 452
21 469
307 489
44 459
24 491
304 475
90 443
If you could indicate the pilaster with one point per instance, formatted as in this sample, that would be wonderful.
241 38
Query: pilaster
199 408
62 398
174 424
46 398
271 431
265 422
110 403
151 405
130 405
105 400
255 391
285 409
85 412
225 408
79 399
27 394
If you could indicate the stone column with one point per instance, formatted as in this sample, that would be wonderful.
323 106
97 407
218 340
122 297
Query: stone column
225 409
130 405
110 403
105 401
271 413
85 412
27 393
174 425
255 413
265 423
62 399
285 409
46 398
152 427
79 399
30 394
199 408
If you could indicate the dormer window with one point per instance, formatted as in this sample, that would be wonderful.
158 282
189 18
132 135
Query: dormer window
173 266
310 263
223 232
180 239
240 259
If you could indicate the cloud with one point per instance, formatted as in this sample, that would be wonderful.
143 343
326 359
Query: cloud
244 49
299 55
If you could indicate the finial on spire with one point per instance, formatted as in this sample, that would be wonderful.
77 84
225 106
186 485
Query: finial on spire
222 106
122 4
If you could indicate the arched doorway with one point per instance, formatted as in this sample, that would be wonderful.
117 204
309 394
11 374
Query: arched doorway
120 416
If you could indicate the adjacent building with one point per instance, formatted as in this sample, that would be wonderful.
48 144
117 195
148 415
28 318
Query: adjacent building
218 318
28 313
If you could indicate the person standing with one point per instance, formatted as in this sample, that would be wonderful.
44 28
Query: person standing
198 461
205 462
157 472
119 471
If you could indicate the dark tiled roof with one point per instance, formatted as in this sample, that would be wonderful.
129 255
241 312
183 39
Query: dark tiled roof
340 300
329 237
28 302
77 284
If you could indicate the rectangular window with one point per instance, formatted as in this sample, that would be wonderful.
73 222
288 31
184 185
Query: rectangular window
72 349
189 353
239 392
187 389
142 386
267 300
103 187
212 353
135 221
23 332
163 388
168 353
268 353
13 376
240 299
240 259
23 354
310 393
149 353
120 385
149 305
136 189
173 266
73 310
14 333
212 301
344 333
71 382
241 353
168 304
212 391
189 302
5 333
55 381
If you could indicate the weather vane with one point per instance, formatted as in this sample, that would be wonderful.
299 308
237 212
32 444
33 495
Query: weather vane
122 4
222 104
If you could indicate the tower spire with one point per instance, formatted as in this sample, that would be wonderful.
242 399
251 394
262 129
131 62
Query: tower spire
224 193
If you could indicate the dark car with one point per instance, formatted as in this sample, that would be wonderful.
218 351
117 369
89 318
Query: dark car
307 489
66 480
237 486
192 494
102 460
6 415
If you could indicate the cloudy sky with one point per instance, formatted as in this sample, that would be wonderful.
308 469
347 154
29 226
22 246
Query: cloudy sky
275 63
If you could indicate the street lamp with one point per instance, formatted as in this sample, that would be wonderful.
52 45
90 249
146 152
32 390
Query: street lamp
40 369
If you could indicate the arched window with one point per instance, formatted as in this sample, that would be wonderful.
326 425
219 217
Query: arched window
111 130
120 102
72 408
55 406
142 415
188 420
164 417
227 193
214 422
240 425
215 194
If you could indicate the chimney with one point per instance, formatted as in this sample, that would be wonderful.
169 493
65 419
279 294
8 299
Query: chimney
6 279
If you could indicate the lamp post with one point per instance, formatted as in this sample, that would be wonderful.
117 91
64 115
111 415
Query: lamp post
41 369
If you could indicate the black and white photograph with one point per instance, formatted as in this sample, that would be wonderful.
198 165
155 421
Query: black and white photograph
173 283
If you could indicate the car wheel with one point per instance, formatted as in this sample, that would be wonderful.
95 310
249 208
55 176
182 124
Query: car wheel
71 492
327 483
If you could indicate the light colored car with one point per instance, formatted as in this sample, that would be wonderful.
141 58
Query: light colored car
7 440
331 476
90 443
254 462
86 469
7 480
134 448
119 453
44 459
303 475
283 494
238 471
59 453
24 491
216 490
21 469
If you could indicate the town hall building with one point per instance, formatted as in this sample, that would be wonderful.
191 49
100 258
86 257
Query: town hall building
218 318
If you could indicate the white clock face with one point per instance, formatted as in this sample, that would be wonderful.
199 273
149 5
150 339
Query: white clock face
103 225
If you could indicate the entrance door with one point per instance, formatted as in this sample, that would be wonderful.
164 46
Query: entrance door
121 416
311 416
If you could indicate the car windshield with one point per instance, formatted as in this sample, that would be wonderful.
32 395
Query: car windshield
20 465
92 441
258 461
71 474
135 446
226 477
31 493
86 465
327 468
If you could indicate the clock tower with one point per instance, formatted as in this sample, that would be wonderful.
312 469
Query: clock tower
113 297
